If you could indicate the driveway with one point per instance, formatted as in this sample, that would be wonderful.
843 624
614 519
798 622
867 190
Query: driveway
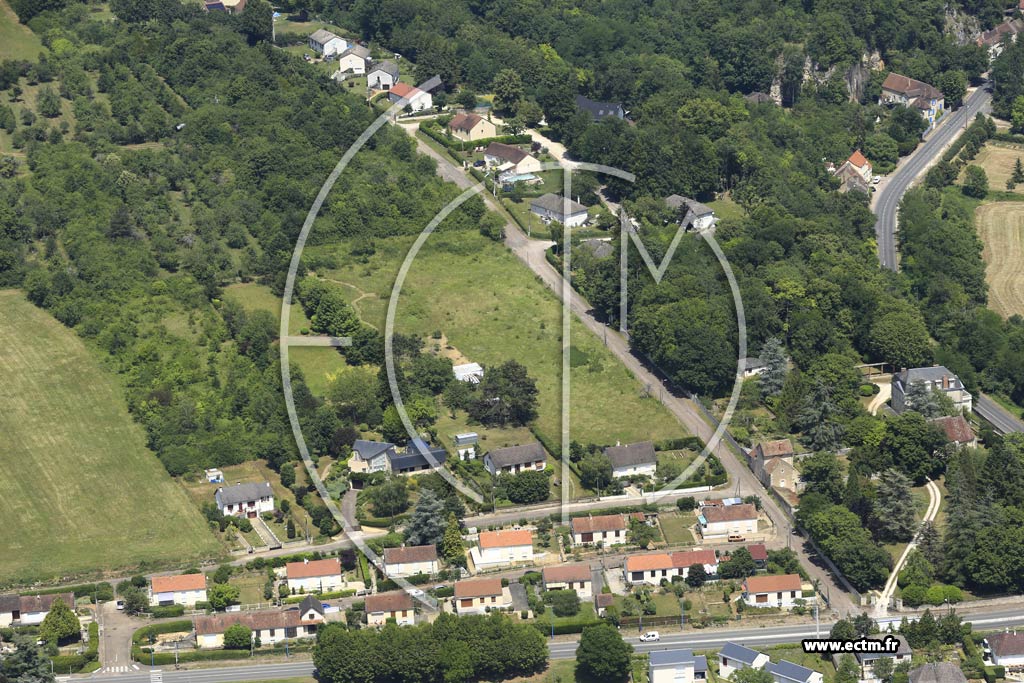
518 593
116 630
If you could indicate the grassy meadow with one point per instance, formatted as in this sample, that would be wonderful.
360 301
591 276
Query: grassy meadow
81 491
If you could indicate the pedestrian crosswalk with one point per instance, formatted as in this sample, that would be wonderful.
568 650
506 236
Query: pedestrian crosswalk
122 669
156 676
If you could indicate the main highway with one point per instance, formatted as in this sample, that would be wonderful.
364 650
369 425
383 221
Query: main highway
560 648
889 196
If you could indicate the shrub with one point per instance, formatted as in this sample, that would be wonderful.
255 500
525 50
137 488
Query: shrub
867 389
953 594
162 612
914 596
686 504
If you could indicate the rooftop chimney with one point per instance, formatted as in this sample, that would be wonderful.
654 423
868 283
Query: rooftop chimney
945 381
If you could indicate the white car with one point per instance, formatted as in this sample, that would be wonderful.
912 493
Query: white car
650 637
875 180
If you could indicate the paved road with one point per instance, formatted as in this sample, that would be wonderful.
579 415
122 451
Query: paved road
888 200
531 252
560 648
1003 420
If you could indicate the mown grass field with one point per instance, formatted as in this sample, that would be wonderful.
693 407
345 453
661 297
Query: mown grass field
998 160
1000 226
81 492
492 309
17 40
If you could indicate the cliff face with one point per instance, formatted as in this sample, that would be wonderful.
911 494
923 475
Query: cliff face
858 75
963 28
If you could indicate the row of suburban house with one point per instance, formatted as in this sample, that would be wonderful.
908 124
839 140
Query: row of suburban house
27 610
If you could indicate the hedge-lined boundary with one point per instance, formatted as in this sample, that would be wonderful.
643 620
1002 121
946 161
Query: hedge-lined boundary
166 658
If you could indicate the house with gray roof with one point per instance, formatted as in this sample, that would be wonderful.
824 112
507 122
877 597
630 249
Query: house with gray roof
634 458
788 672
515 459
936 378
866 660
937 672
552 207
354 60
382 75
733 657
600 110
245 500
325 43
691 213
371 456
676 666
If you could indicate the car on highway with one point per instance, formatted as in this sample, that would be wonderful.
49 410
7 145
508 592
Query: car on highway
650 637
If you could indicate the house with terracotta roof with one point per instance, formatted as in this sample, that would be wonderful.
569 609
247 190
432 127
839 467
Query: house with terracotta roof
995 39
858 164
476 596
632 459
779 590
416 99
650 568
909 92
270 627
314 576
27 610
605 529
758 553
471 127
684 559
410 560
397 605
182 589
502 548
957 429
574 577
724 521
1007 649
774 464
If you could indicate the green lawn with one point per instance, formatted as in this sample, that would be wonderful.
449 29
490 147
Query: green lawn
17 41
492 309
726 208
676 527
81 491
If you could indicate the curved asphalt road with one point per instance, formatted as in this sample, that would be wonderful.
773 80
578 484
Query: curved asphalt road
889 197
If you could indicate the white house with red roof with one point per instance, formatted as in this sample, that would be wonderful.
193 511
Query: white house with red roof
314 576
910 92
772 590
182 589
502 548
416 99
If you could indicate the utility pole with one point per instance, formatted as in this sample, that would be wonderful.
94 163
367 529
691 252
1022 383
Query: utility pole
817 626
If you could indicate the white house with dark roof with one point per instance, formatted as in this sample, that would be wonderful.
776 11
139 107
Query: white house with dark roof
325 43
676 666
866 660
605 529
410 560
631 459
788 672
245 500
600 110
515 459
733 657
354 60
510 158
934 378
468 372
27 610
691 213
382 75
1007 649
371 456
270 627
552 207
